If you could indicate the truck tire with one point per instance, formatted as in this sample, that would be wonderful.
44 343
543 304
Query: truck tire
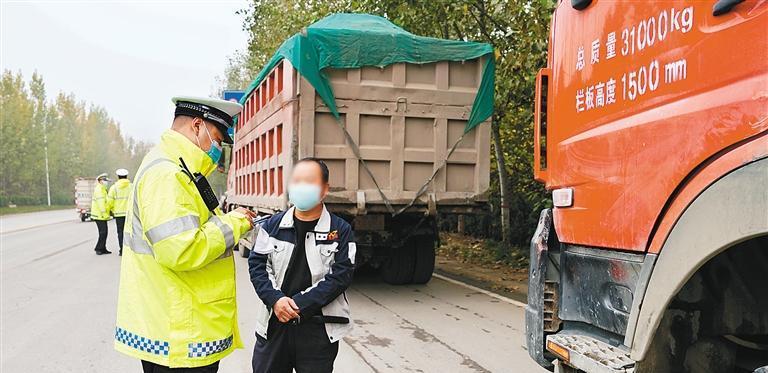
398 267
424 249
710 355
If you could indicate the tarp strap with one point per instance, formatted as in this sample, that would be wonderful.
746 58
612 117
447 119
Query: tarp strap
422 189
429 180
356 150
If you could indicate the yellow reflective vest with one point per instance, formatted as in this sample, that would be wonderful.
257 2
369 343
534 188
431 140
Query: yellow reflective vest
118 197
99 203
176 304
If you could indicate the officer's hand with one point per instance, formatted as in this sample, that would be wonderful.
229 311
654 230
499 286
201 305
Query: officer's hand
248 214
285 309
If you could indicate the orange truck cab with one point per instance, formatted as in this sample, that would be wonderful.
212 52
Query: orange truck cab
651 132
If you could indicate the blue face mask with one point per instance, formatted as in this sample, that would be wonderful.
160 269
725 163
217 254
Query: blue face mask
304 196
215 151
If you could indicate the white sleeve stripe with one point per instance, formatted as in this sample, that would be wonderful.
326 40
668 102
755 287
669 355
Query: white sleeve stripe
261 246
352 247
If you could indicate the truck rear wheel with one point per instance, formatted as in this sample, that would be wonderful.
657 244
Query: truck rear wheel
424 249
398 267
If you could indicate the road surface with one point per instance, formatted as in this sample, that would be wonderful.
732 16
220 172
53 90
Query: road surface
59 298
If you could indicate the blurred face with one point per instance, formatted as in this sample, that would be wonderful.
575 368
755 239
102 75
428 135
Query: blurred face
306 188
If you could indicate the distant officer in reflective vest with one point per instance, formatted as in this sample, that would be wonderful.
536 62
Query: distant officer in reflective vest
100 213
118 202
176 305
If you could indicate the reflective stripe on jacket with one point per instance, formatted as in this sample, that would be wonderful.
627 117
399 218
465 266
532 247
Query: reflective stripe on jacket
176 304
118 197
330 250
99 203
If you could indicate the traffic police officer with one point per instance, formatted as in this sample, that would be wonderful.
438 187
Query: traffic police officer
100 213
118 202
176 305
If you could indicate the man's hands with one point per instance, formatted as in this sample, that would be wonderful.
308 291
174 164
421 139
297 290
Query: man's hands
248 214
286 309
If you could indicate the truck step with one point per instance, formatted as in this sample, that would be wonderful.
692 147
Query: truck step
589 354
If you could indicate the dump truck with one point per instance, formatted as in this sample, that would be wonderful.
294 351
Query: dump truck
651 132
404 133
84 187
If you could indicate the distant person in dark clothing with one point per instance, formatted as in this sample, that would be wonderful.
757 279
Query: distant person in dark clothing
301 264
118 202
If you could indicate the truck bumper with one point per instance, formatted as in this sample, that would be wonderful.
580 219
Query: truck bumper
589 354
593 291
534 310
560 350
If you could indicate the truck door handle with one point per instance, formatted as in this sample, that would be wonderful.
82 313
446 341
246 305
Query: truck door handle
724 6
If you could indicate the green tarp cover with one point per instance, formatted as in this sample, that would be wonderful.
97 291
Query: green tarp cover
355 40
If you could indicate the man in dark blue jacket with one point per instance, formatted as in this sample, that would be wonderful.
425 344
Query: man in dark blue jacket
301 264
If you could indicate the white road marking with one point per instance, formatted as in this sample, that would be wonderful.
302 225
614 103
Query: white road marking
475 288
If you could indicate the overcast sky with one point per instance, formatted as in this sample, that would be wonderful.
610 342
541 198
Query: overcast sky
129 57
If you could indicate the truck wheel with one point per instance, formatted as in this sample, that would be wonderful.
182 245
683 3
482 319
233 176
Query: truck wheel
424 248
398 267
244 251
710 355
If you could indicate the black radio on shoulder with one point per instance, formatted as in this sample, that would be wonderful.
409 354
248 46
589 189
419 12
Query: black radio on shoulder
203 187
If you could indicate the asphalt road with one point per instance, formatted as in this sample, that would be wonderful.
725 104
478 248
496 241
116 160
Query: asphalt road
59 298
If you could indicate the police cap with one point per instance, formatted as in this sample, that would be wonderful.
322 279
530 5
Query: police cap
218 112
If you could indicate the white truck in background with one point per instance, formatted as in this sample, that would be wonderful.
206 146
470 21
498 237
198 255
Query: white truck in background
83 194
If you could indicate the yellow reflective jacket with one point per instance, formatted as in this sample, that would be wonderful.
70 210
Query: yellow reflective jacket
99 203
176 305
118 197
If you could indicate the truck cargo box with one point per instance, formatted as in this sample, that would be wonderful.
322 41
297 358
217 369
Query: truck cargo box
396 117
403 117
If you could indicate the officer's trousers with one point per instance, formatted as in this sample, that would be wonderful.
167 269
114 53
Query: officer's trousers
101 243
120 224
303 347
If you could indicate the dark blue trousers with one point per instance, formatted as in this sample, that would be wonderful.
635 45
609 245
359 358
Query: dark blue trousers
303 347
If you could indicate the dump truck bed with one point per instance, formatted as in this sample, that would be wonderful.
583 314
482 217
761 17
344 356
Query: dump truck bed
402 118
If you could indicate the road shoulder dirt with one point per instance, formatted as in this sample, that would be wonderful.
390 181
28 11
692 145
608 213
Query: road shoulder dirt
463 258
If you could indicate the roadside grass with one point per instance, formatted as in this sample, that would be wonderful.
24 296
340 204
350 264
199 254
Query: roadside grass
5 210
467 249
